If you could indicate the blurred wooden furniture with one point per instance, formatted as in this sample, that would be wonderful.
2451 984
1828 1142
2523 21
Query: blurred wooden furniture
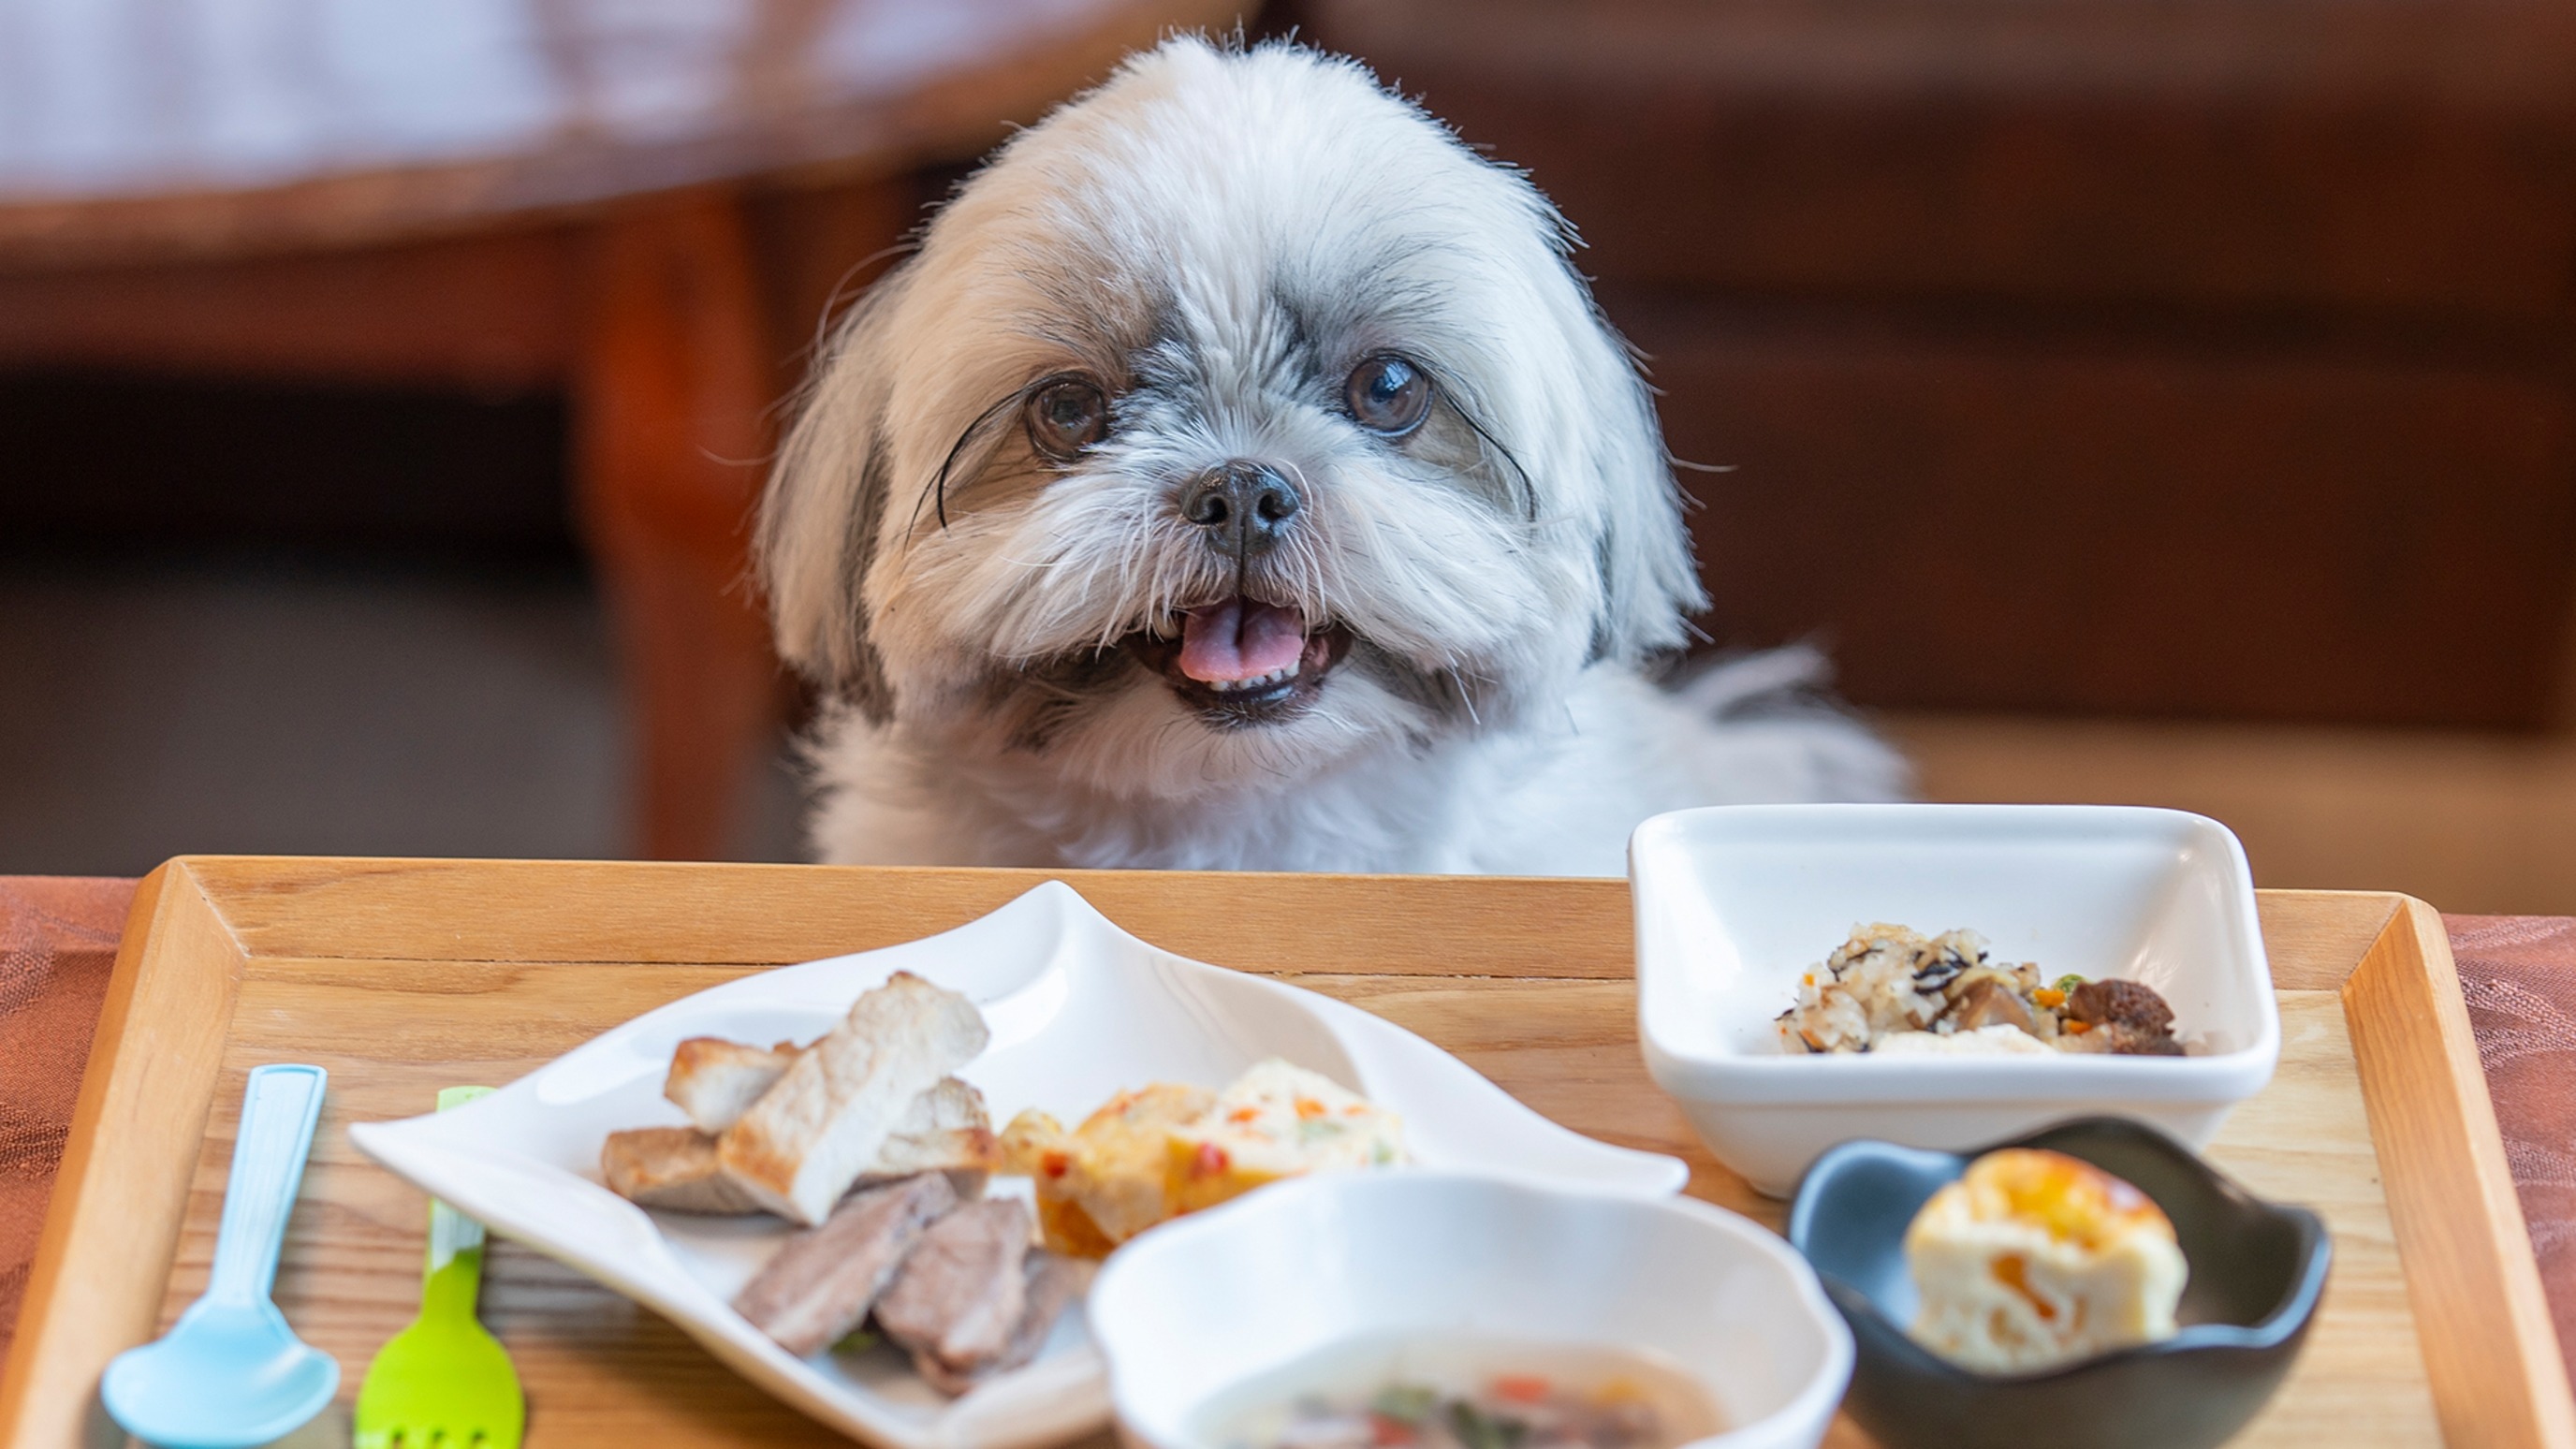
651 207
2134 356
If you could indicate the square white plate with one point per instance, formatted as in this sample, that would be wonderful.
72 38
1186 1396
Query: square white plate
1078 1008
1734 903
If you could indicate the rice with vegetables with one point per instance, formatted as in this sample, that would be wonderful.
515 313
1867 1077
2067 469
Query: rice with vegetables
1893 989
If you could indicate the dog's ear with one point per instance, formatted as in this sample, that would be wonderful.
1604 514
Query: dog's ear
822 512
1592 426
1649 582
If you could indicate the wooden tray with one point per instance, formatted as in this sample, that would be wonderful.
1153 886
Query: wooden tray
403 977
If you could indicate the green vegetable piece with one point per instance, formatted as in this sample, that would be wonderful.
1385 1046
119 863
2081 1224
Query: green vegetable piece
1406 1403
1484 1431
2069 982
857 1340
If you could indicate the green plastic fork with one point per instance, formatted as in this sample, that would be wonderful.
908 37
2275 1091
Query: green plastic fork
443 1382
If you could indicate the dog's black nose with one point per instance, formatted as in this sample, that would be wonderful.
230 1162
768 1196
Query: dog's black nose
1244 505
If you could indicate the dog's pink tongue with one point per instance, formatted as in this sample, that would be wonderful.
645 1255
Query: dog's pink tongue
1239 639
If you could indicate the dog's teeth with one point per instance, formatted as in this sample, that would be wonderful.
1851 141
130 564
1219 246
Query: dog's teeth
1258 681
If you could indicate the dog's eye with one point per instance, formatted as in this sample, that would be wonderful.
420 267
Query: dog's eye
1067 416
1387 394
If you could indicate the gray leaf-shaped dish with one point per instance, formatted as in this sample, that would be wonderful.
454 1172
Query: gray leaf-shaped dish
2257 1269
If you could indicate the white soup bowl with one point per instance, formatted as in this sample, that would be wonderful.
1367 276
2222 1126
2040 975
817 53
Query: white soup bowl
1196 1307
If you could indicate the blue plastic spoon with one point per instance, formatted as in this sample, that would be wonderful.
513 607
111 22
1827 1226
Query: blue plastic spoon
230 1373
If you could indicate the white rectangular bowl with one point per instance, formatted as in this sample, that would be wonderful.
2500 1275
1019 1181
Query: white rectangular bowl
1735 903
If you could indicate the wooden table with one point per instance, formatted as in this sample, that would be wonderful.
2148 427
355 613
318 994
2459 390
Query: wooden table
650 206
404 976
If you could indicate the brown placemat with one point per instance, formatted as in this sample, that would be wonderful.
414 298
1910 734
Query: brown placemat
57 944
2519 975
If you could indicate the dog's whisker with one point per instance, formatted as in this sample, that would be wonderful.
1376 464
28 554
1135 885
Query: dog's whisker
1466 697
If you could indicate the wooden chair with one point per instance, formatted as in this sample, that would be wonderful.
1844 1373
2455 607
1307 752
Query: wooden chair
650 211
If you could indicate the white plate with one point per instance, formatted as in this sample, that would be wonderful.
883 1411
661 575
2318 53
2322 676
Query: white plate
1078 1008
1734 903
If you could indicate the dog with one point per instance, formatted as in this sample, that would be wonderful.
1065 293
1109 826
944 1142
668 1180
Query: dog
1239 475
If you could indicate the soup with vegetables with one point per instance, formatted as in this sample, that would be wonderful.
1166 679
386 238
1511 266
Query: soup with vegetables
1462 1392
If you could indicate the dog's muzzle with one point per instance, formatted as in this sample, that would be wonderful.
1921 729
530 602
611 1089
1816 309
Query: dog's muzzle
1244 661
1244 506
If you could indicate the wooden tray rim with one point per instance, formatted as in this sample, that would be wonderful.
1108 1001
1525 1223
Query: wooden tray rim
2496 1376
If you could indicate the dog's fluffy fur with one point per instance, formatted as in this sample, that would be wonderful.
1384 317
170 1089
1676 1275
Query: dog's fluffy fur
1218 237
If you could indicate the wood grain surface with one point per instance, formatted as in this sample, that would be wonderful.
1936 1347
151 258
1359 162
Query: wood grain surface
95 1286
403 977
2488 1339
1408 925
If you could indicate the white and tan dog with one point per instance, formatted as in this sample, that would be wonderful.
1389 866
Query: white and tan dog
1240 476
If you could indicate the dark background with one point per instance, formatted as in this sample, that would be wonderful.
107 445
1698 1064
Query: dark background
2152 399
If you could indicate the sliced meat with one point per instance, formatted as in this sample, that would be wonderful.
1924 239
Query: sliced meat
951 1103
2132 1002
961 1292
824 1281
715 1081
2125 1040
947 1129
1989 1000
1054 1282
802 1144
2128 1016
671 1167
